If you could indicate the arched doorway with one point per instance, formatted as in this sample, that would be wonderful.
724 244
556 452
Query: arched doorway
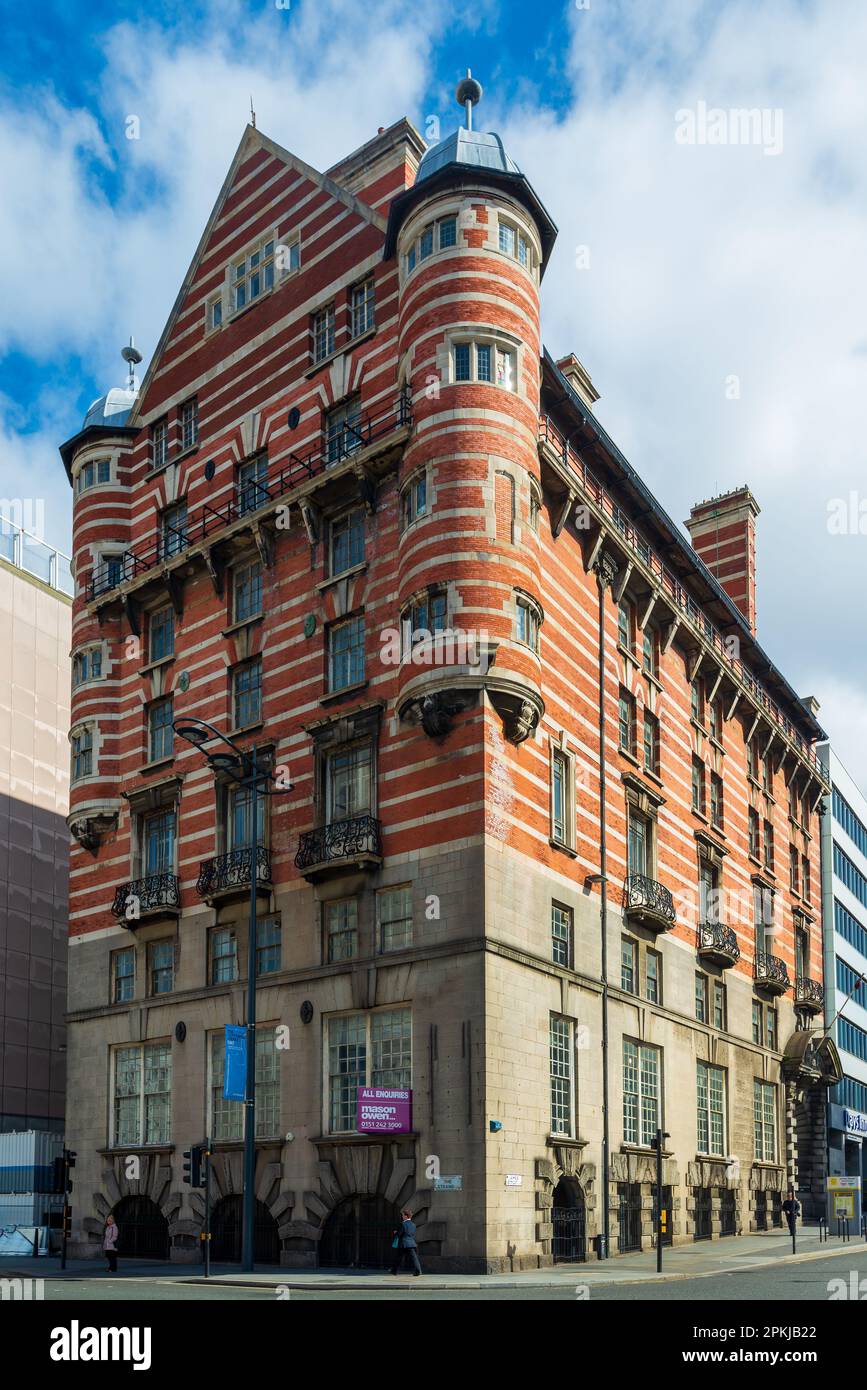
358 1234
569 1218
226 1230
143 1232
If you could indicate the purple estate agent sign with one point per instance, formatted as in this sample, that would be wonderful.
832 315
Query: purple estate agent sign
382 1111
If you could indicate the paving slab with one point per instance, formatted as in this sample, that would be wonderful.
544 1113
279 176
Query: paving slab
690 1261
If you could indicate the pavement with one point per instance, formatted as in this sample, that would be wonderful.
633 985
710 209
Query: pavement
702 1259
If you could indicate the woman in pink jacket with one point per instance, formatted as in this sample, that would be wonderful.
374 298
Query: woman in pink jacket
109 1242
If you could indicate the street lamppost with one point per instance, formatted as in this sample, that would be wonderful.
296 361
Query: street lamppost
244 768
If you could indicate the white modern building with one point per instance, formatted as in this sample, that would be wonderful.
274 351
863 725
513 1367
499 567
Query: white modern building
844 894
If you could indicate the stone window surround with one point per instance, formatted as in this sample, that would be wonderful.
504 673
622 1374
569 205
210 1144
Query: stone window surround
164 795
558 745
487 335
87 722
422 471
224 295
113 1051
335 733
644 801
99 644
224 785
101 551
522 597
366 1012
435 588
90 454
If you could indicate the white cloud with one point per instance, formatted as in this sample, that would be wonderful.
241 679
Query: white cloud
706 262
711 262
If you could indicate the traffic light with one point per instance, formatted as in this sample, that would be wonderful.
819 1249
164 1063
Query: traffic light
67 1221
59 1182
193 1165
69 1157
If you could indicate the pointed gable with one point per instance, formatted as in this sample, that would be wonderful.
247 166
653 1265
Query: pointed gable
269 201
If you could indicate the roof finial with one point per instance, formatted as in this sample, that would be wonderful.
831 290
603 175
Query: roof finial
252 112
131 356
468 94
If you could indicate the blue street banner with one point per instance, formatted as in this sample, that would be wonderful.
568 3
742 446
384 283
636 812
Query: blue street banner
235 1067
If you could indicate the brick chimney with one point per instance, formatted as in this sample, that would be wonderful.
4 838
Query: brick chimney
383 167
723 533
578 378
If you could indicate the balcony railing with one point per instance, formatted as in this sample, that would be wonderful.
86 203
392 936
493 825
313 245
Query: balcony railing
771 972
718 942
357 838
809 993
141 895
205 520
671 586
232 870
644 896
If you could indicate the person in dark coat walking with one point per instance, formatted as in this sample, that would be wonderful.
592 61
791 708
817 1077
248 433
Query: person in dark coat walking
404 1243
792 1209
109 1242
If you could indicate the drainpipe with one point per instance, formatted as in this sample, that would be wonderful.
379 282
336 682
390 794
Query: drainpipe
605 569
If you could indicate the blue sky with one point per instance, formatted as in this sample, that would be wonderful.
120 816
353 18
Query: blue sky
715 291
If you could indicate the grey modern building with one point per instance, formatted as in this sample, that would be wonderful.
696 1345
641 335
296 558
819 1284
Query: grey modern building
35 629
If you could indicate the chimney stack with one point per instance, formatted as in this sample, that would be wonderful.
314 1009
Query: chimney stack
579 379
723 534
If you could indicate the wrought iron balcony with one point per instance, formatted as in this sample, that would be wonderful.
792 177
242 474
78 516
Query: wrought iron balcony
770 972
809 994
356 438
718 943
143 896
572 465
648 901
357 841
230 872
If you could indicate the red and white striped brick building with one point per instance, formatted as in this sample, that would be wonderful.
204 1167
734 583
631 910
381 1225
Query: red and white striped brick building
349 453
